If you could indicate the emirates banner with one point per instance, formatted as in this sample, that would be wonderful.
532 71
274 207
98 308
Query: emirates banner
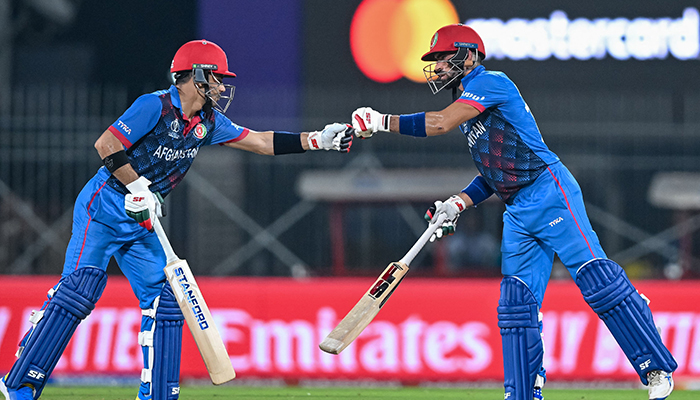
430 330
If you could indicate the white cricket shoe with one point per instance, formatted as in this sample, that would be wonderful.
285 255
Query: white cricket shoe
539 384
660 384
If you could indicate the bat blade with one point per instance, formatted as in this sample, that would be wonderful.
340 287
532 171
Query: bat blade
200 321
350 327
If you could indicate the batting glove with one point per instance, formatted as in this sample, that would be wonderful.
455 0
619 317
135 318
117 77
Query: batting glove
141 204
333 137
451 207
367 122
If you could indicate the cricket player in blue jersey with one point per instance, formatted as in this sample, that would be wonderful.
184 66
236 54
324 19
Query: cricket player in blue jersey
146 153
545 214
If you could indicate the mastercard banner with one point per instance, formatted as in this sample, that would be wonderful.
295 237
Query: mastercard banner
430 330
388 37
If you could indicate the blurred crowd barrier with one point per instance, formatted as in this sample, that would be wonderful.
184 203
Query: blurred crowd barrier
430 330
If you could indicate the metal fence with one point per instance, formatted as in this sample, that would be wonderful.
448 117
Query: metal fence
242 214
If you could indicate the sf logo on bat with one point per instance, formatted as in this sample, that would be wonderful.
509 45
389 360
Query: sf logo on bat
384 281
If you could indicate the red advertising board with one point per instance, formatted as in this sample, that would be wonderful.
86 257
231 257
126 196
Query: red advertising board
430 330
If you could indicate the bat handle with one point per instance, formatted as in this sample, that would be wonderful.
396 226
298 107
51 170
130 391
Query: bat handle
422 240
167 248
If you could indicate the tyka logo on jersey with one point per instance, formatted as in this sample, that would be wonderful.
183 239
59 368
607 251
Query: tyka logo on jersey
124 127
556 221
384 281
472 96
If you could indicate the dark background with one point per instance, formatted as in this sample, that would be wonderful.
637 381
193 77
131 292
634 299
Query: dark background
614 123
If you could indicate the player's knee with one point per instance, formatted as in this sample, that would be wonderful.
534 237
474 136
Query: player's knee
603 284
78 292
168 308
517 306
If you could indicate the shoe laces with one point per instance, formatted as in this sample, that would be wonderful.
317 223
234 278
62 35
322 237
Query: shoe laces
655 378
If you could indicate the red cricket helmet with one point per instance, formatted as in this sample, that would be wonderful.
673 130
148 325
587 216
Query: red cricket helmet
451 38
201 54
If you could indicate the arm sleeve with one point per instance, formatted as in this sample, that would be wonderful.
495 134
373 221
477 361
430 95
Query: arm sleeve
137 120
226 131
485 91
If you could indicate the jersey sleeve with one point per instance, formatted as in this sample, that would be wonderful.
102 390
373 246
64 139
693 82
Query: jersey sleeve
485 91
226 131
137 120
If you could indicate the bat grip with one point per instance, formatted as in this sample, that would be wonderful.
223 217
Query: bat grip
167 248
422 240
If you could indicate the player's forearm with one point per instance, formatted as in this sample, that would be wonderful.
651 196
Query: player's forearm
435 124
107 146
270 143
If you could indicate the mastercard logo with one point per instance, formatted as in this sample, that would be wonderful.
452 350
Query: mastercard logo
388 37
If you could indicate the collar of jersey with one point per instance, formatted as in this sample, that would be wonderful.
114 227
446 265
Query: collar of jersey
475 72
175 99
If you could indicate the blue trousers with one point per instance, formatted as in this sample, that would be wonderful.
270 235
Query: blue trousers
101 229
547 217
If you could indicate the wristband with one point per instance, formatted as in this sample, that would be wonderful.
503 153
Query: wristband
286 143
115 161
412 124
478 190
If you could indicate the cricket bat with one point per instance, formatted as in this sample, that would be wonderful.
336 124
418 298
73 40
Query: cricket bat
196 313
350 327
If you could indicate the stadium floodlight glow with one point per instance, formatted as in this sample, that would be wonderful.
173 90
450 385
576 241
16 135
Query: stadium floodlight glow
585 39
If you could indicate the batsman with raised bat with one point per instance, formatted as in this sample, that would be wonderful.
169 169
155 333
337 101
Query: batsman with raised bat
146 153
544 215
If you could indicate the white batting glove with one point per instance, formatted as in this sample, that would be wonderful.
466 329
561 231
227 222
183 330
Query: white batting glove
367 122
451 207
141 204
333 137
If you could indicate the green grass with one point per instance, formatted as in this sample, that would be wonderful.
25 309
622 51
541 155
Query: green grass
240 392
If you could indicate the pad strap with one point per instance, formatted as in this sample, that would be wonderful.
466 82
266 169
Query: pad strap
523 350
609 292
74 299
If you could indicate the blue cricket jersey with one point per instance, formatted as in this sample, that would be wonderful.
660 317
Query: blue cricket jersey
161 143
504 140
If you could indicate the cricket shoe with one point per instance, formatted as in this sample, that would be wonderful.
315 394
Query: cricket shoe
539 384
23 393
660 384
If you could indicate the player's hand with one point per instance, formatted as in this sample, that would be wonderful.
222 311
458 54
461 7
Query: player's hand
451 207
142 205
367 122
333 137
